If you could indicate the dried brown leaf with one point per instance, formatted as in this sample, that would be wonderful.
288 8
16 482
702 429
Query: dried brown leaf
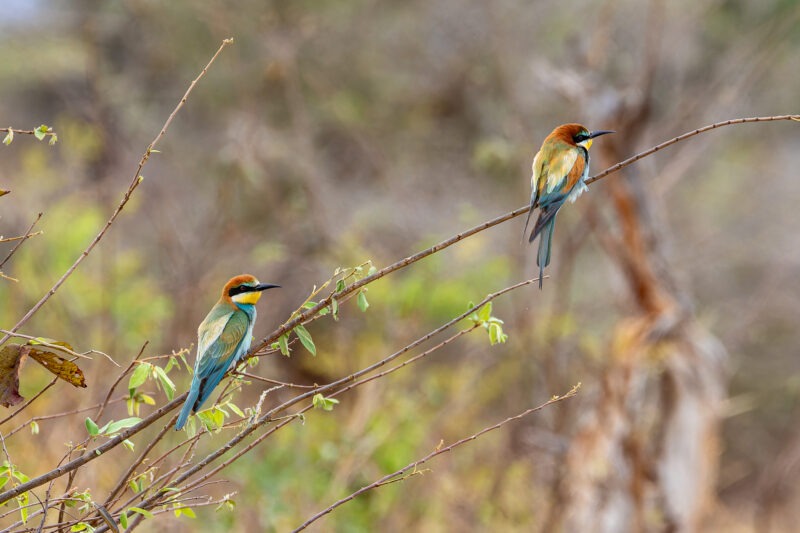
63 368
9 375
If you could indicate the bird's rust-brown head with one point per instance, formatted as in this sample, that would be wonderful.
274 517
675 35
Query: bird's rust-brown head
244 289
575 135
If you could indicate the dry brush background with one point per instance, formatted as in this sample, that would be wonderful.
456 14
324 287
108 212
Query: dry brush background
331 133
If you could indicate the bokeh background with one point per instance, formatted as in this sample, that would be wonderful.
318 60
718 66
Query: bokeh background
333 132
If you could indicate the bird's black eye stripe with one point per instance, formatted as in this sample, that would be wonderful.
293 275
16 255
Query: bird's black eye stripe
239 290
580 137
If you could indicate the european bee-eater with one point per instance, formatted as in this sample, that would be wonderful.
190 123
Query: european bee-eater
560 168
223 338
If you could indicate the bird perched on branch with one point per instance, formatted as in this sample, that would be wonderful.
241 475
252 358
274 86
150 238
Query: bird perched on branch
560 168
223 338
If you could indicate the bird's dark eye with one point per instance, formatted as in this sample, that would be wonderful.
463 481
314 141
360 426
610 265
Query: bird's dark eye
237 290
580 137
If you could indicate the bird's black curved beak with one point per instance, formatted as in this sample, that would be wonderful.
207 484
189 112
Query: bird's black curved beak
264 286
598 133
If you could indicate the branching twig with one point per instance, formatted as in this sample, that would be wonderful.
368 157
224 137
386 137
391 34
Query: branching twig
269 416
308 314
137 179
27 132
24 238
412 466
337 386
687 135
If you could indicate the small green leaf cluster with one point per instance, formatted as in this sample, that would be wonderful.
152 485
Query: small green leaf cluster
112 428
123 518
213 418
9 472
83 501
139 377
321 402
493 325
341 276
40 133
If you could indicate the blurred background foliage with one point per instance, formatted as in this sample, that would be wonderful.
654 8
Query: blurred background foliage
334 132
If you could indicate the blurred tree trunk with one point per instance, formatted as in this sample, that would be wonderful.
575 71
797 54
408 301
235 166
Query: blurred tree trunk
644 458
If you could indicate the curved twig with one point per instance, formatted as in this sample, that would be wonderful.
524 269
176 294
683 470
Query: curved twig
389 478
137 179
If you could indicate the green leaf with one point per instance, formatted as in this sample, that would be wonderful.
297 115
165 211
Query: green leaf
321 402
372 270
19 476
309 305
23 501
340 285
166 383
305 339
186 511
139 375
485 312
41 131
236 410
123 519
496 334
34 427
115 427
91 427
191 426
362 300
283 344
144 512
218 416
228 505
128 444
3 481
9 138
53 139
335 308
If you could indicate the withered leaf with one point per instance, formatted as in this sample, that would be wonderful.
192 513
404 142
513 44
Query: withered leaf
11 355
9 375
63 368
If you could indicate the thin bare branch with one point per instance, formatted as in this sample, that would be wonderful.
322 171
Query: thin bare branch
269 416
308 314
438 451
24 238
683 137
137 179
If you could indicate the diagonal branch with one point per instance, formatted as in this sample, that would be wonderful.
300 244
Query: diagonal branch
687 135
137 179
24 238
394 476
308 314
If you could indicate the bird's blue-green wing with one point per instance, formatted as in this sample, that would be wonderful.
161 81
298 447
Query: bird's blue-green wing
217 358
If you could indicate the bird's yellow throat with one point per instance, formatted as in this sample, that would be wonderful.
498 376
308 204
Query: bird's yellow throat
247 298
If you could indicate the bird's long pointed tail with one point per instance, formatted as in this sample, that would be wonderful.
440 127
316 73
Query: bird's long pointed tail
543 257
528 219
188 405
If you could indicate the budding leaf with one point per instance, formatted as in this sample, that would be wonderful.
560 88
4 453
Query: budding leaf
362 300
305 339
